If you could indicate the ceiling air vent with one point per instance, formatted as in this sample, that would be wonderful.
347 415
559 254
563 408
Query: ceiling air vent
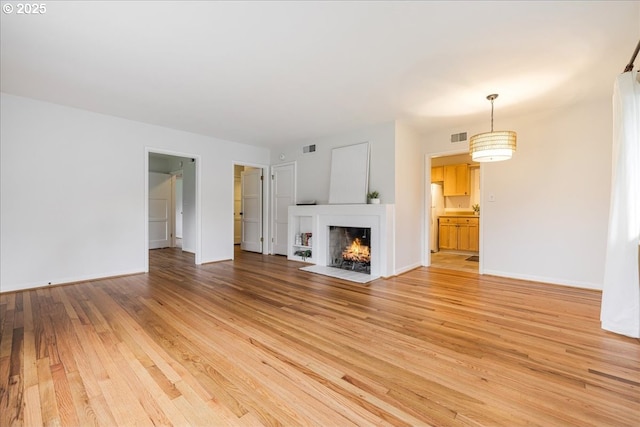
309 148
459 137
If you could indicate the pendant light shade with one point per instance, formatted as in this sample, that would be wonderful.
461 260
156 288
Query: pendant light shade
492 146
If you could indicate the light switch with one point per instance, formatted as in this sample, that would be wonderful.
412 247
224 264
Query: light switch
492 197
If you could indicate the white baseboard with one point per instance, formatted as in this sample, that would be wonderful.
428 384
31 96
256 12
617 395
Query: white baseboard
66 281
543 279
403 270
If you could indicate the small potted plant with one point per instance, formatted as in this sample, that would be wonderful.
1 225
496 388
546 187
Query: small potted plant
476 209
374 197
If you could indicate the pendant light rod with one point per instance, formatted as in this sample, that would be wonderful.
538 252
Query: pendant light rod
491 98
629 66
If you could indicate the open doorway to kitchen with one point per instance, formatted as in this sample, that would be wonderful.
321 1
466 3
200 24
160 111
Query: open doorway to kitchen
454 214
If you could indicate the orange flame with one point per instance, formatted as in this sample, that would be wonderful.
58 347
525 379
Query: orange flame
357 252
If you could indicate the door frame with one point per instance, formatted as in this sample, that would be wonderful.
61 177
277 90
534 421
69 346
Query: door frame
265 203
198 246
427 207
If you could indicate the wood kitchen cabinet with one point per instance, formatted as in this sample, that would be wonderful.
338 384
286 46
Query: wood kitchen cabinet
447 233
468 234
437 174
456 180
458 233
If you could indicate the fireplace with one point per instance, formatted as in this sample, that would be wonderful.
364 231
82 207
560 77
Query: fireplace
350 248
376 221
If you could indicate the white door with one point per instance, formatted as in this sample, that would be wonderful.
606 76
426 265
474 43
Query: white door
159 210
283 196
237 210
251 182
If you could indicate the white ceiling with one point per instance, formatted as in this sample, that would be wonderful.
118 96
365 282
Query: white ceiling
273 73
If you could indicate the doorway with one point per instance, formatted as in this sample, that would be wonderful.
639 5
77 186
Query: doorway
248 211
454 224
172 203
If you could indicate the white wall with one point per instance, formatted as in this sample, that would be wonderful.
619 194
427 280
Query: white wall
409 191
66 215
549 218
314 169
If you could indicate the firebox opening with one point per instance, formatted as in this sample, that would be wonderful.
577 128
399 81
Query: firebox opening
350 248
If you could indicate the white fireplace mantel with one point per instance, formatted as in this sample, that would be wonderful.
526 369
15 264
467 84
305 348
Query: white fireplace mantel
316 219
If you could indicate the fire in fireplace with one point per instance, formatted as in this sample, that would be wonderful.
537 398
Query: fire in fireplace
350 248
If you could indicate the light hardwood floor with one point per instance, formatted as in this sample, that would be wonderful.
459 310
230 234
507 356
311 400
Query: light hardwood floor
258 342
453 261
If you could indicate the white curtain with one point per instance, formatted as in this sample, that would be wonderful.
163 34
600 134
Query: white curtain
620 311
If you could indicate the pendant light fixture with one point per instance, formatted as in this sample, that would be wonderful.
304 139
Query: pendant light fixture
492 146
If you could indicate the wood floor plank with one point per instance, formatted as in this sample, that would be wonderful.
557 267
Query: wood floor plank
150 385
32 411
31 395
86 413
257 342
48 402
63 396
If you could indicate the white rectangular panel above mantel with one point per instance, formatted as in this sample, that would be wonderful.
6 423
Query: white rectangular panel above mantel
316 219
